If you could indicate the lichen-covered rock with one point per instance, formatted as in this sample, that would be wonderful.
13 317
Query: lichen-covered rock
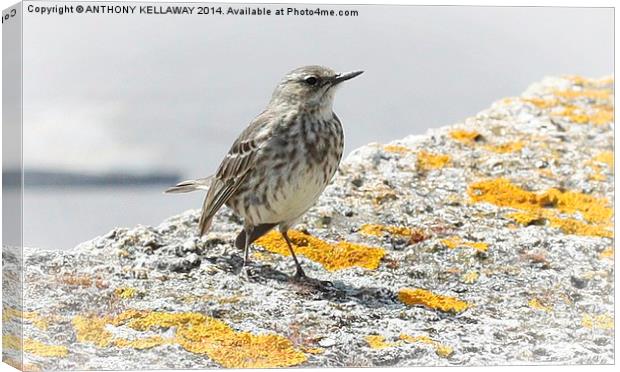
486 242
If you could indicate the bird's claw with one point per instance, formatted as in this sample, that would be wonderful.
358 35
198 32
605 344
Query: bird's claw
299 275
249 273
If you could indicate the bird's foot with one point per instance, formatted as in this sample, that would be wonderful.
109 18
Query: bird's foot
248 273
300 274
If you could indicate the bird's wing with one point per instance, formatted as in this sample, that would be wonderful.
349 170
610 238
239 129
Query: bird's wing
190 185
234 168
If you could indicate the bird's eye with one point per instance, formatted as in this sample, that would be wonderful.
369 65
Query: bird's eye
311 80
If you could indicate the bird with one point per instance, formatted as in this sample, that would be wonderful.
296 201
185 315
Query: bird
281 163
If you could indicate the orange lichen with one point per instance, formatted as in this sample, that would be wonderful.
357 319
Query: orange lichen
76 280
535 303
464 136
428 161
34 347
383 194
505 148
416 296
196 333
455 242
603 321
536 206
398 149
332 256
441 350
378 342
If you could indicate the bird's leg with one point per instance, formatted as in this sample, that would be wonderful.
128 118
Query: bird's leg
246 250
299 273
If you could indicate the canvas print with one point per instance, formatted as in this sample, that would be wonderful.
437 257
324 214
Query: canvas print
209 185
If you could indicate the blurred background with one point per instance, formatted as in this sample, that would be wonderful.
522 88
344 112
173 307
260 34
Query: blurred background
118 107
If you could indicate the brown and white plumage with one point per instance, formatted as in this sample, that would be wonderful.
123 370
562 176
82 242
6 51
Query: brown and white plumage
281 163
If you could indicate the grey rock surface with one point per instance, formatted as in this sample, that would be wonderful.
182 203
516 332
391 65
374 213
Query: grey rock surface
490 243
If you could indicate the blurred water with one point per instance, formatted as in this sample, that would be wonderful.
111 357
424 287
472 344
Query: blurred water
56 218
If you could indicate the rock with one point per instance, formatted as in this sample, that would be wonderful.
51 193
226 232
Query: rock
486 242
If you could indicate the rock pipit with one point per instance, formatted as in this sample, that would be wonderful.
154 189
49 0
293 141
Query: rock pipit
281 163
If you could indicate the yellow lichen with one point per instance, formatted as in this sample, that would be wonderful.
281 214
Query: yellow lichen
210 297
441 350
196 333
464 136
594 94
92 329
142 343
233 349
398 149
603 321
525 218
11 342
38 348
125 292
455 242
578 115
587 82
607 253
536 206
535 303
9 313
428 161
470 277
572 226
34 347
379 230
415 296
332 256
602 116
541 103
573 114
378 342
505 148
312 350
605 157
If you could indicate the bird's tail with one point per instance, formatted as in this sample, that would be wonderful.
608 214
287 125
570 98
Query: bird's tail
190 185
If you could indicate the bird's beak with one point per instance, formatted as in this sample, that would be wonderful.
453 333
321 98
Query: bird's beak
345 76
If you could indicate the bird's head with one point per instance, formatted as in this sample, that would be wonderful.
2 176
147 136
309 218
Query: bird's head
310 87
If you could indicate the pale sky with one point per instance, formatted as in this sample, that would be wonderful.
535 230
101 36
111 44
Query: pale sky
141 93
